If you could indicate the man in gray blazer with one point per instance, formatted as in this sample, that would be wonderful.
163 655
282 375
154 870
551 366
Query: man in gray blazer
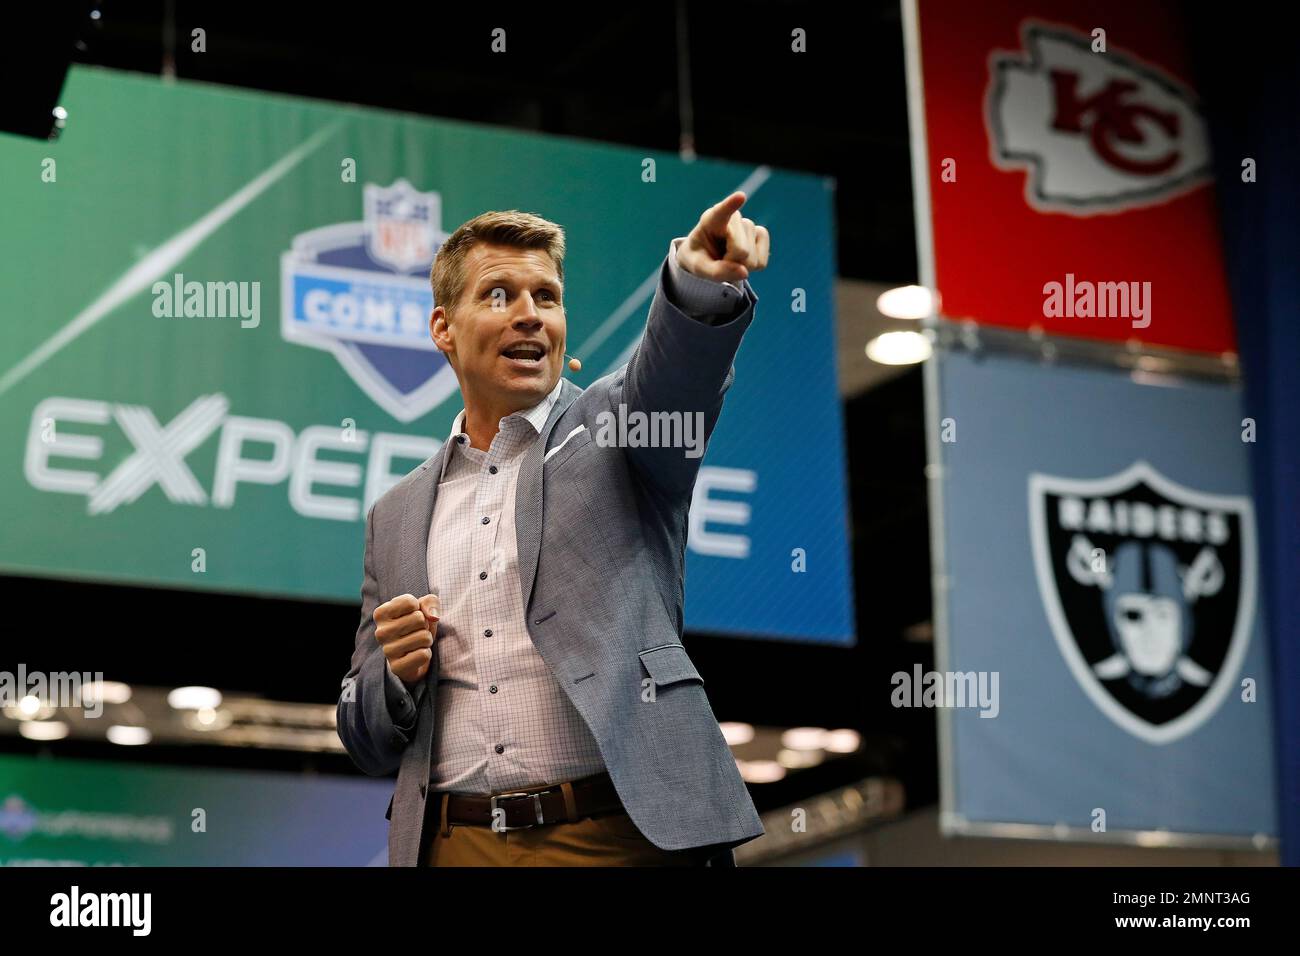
519 659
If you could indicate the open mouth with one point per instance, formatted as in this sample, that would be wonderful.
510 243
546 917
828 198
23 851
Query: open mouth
525 354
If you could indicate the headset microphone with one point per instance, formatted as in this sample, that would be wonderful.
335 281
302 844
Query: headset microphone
574 364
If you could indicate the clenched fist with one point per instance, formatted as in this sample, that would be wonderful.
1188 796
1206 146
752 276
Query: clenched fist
405 629
724 246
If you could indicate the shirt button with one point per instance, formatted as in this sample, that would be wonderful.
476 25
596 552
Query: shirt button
488 632
461 439
493 688
492 469
500 749
486 519
482 575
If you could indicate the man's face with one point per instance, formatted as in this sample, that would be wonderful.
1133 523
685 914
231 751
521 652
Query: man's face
512 299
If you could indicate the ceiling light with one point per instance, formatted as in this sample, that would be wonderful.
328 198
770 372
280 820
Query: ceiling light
804 738
906 302
43 729
799 759
899 348
29 707
736 733
194 698
128 736
206 719
760 771
108 691
843 741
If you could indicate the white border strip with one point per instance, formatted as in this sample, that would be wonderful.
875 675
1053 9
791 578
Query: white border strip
934 467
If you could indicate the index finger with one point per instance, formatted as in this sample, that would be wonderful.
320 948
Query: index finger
399 606
715 218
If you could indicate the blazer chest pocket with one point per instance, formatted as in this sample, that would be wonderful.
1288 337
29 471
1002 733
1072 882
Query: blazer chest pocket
668 664
574 442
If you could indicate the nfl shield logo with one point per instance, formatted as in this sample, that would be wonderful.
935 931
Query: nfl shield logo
1150 591
361 291
401 225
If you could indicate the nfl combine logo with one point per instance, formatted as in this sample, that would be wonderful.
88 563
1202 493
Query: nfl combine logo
1150 591
361 290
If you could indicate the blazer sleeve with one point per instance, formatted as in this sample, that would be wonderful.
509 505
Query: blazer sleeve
375 720
683 363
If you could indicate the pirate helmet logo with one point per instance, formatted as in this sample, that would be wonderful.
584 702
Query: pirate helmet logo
1149 589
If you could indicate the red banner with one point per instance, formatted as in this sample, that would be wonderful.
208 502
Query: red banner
1069 176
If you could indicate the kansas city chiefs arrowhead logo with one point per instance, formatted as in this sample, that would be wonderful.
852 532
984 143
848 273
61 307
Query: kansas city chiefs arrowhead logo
1097 132
1150 591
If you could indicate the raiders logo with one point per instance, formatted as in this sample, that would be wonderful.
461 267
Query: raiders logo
1150 591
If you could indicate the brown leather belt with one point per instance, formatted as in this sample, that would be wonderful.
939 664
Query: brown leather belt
537 806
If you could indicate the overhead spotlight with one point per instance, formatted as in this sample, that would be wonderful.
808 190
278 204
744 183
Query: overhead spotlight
736 733
194 698
760 771
207 719
128 736
43 729
804 738
28 707
843 741
107 691
906 302
899 348
799 759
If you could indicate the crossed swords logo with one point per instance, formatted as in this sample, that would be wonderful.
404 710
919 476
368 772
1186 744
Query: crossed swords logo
1204 577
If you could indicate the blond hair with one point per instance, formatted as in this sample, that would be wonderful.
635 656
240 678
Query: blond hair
522 230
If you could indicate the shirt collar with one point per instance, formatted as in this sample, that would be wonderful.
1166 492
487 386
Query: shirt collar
535 416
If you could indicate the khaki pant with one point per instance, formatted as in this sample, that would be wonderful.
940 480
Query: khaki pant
608 840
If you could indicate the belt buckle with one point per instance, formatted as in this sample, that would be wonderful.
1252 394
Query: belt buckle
537 804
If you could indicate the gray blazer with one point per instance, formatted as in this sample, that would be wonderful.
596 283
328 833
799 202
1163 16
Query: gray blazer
602 541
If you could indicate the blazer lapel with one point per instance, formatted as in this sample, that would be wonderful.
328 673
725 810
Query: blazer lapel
528 494
417 516
413 547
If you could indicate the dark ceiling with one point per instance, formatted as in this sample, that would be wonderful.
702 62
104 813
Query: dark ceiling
608 72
